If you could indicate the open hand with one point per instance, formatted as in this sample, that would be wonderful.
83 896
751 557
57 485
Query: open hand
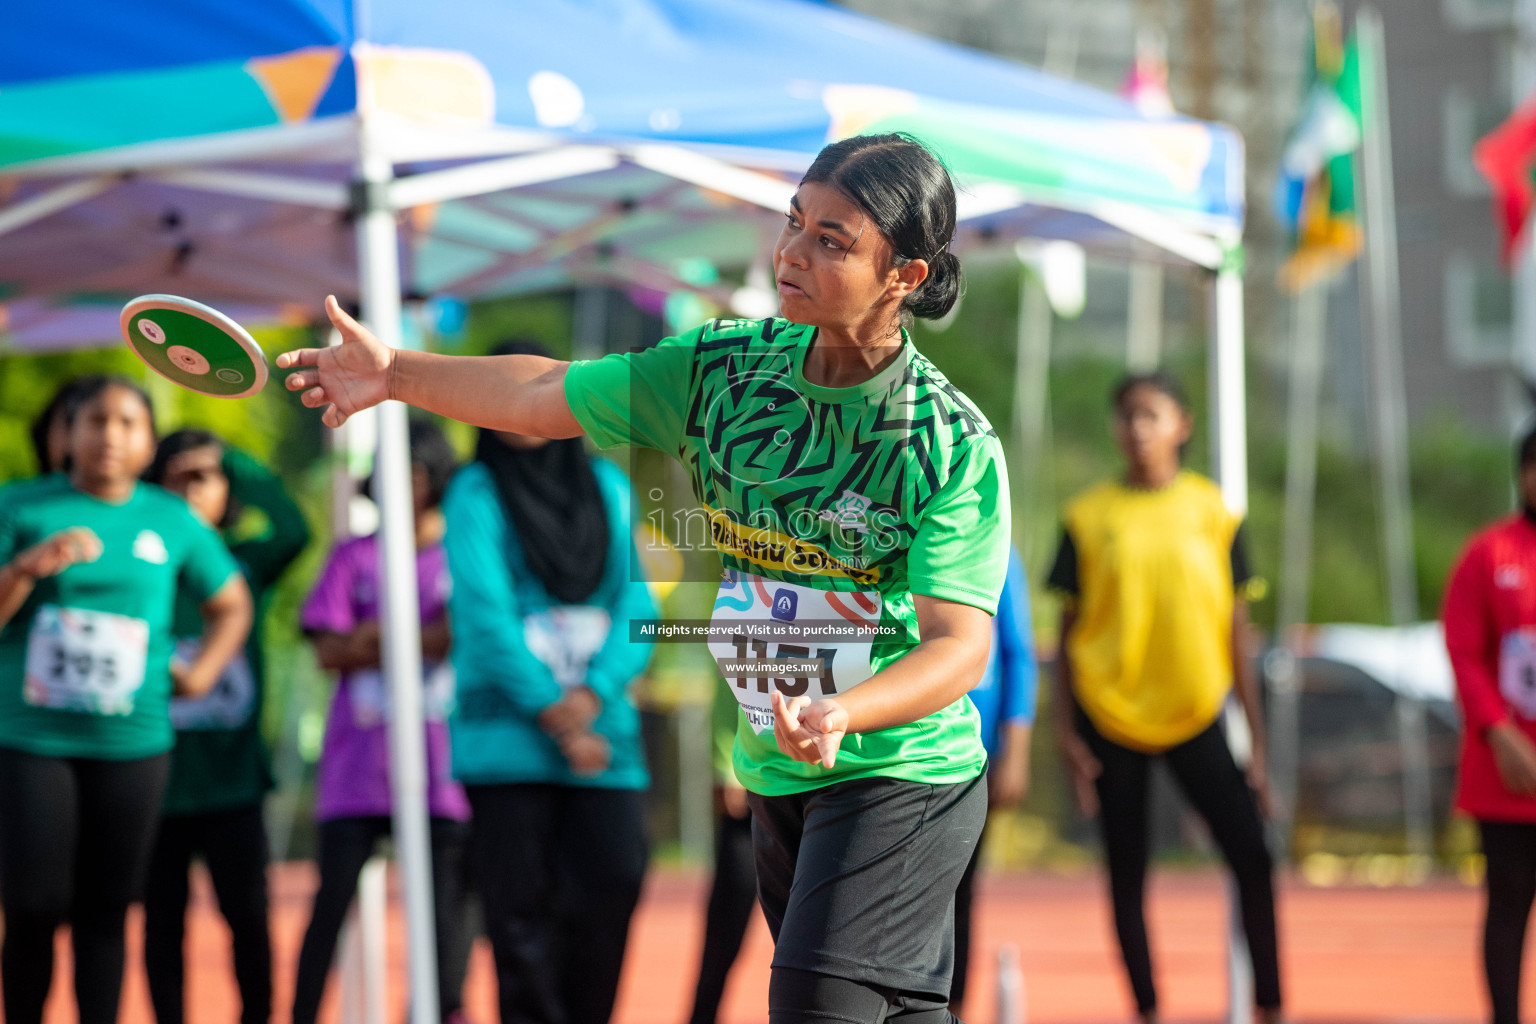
58 552
187 681
1258 781
1084 769
1515 758
807 731
347 378
1007 785
733 800
587 753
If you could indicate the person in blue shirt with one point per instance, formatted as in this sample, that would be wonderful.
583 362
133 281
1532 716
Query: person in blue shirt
545 736
1005 697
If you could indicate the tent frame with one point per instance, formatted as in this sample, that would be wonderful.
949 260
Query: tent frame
375 196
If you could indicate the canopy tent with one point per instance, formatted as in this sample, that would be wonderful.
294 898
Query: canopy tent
604 108
258 154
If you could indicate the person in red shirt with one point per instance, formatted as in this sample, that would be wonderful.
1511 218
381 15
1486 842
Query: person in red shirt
1490 632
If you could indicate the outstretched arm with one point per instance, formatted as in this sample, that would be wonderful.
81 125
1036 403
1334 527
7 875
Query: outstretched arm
519 394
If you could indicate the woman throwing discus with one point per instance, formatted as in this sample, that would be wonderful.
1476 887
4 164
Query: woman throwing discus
859 504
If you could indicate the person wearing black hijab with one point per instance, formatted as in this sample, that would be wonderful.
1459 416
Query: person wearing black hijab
550 491
546 738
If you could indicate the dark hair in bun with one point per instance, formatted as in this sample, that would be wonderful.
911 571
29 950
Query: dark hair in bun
908 194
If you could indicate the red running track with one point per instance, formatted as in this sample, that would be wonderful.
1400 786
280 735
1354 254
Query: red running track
1349 954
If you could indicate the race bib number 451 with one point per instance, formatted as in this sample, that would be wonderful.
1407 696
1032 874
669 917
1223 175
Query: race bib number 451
766 635
82 660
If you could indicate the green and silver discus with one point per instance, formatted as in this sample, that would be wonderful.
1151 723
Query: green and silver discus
194 345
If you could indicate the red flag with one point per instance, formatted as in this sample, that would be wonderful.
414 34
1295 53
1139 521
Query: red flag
1505 156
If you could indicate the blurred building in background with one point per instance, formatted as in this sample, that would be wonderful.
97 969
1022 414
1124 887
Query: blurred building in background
1454 72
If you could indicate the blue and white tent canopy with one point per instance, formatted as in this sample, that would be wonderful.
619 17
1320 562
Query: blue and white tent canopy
208 148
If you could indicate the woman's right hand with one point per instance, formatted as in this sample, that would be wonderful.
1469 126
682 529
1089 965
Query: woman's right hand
60 551
1084 769
1515 757
349 377
587 753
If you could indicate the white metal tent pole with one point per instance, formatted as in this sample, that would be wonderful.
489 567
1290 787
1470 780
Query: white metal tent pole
1229 403
1386 351
1229 463
379 262
1031 394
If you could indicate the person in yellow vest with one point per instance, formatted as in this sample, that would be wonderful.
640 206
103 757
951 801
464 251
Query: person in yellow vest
1154 573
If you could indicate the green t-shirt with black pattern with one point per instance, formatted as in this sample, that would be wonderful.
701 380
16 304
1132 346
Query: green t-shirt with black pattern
896 485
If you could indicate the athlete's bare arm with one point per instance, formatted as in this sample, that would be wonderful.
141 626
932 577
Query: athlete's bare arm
519 394
1246 683
227 617
1082 767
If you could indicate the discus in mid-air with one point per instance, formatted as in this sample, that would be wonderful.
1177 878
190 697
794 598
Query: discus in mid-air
194 345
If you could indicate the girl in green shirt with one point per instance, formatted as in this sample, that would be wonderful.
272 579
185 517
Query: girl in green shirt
90 563
219 766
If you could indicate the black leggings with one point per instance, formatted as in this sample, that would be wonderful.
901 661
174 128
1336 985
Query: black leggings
560 870
233 844
1510 851
1214 785
75 835
731 899
345 846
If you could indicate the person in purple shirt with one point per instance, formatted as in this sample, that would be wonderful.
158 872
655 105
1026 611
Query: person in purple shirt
352 803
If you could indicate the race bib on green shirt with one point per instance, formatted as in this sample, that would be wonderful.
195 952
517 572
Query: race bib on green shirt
766 635
87 661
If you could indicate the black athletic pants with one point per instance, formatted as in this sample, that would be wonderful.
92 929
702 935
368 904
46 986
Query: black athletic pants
1217 789
75 835
345 846
1510 879
857 883
732 896
233 844
560 870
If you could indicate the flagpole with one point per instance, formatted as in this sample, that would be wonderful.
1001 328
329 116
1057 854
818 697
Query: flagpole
1523 349
1389 416
1308 331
